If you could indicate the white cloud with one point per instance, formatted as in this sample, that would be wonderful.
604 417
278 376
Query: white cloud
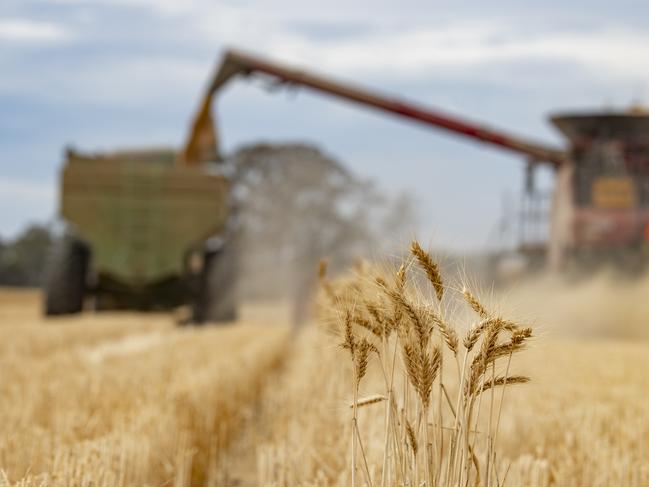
398 43
463 50
456 49
31 31
25 191
416 49
164 7
131 81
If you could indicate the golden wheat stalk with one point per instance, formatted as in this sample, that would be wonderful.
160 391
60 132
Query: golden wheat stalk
449 334
362 359
412 437
349 340
368 325
475 304
430 267
369 400
401 302
504 380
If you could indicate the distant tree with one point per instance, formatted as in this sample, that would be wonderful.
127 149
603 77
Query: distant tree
296 206
23 260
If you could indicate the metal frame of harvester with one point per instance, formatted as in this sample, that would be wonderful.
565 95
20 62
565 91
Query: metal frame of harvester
600 204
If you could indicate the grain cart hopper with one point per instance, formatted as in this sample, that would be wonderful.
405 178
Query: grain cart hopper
600 204
145 231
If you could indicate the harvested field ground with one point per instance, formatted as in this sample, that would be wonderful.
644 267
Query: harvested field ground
132 399
126 399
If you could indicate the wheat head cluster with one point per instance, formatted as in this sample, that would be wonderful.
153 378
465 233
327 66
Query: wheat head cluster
433 435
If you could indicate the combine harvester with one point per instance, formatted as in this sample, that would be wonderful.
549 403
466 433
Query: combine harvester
150 229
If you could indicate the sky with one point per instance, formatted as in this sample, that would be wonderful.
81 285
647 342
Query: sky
100 75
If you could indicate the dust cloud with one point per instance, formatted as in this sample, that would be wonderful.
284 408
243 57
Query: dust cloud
297 205
604 305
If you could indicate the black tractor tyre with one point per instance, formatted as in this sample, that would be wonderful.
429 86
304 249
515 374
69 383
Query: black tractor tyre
65 281
216 297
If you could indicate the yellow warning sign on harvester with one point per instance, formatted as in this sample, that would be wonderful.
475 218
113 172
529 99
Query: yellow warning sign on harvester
613 193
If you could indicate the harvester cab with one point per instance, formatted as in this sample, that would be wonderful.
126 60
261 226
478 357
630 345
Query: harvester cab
610 183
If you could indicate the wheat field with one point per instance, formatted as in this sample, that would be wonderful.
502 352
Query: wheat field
132 399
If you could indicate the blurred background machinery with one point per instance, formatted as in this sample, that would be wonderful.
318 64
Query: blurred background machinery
598 210
155 229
